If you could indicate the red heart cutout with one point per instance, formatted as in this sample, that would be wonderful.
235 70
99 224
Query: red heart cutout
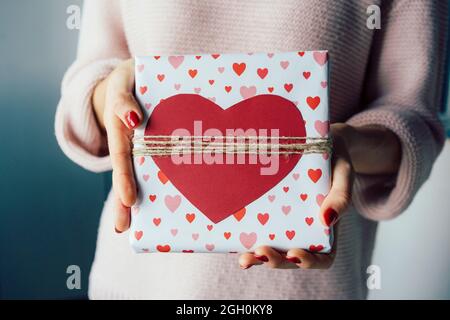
263 218
219 190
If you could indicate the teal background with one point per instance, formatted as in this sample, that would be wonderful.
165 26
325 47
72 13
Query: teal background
50 207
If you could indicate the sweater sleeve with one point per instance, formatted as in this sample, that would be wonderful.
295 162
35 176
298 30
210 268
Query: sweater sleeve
101 47
403 93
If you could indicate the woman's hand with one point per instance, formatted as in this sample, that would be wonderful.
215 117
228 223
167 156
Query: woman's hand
118 114
367 150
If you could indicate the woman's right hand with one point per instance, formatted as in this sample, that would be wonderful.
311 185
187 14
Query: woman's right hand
118 114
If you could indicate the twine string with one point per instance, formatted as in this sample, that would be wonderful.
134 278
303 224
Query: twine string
166 145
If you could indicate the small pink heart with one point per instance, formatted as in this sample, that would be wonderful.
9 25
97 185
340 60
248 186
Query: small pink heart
176 61
172 202
221 69
327 231
322 127
177 86
295 176
248 92
147 105
270 55
174 232
140 68
284 64
324 84
325 155
195 236
141 161
197 90
209 246
286 209
319 199
271 198
320 57
146 177
248 239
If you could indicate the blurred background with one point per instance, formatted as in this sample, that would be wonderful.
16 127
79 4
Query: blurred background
50 207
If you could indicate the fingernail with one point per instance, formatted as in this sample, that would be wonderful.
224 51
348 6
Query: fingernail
330 217
132 119
117 231
293 259
261 258
245 267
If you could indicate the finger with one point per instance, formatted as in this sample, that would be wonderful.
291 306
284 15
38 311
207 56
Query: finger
122 221
340 194
120 153
246 260
308 260
271 258
127 110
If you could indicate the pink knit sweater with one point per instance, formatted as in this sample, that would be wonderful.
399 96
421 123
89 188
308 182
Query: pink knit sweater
391 77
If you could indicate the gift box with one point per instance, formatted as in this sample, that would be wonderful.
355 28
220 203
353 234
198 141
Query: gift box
233 152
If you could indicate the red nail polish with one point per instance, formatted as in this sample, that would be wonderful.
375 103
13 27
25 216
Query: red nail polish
261 258
293 259
132 119
330 216
117 231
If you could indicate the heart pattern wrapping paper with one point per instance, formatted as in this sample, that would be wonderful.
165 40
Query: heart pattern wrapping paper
230 207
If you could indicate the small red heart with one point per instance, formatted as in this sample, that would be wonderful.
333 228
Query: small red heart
192 73
313 102
288 87
271 236
240 214
227 235
263 218
190 217
239 68
314 174
152 197
198 57
303 196
161 77
306 74
138 235
209 227
286 189
211 82
215 56
228 88
141 161
156 221
290 234
163 248
314 248
143 89
309 220
262 72
270 89
156 57
162 177
301 53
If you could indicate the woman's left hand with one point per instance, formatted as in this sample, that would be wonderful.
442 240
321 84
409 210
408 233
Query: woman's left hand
332 208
